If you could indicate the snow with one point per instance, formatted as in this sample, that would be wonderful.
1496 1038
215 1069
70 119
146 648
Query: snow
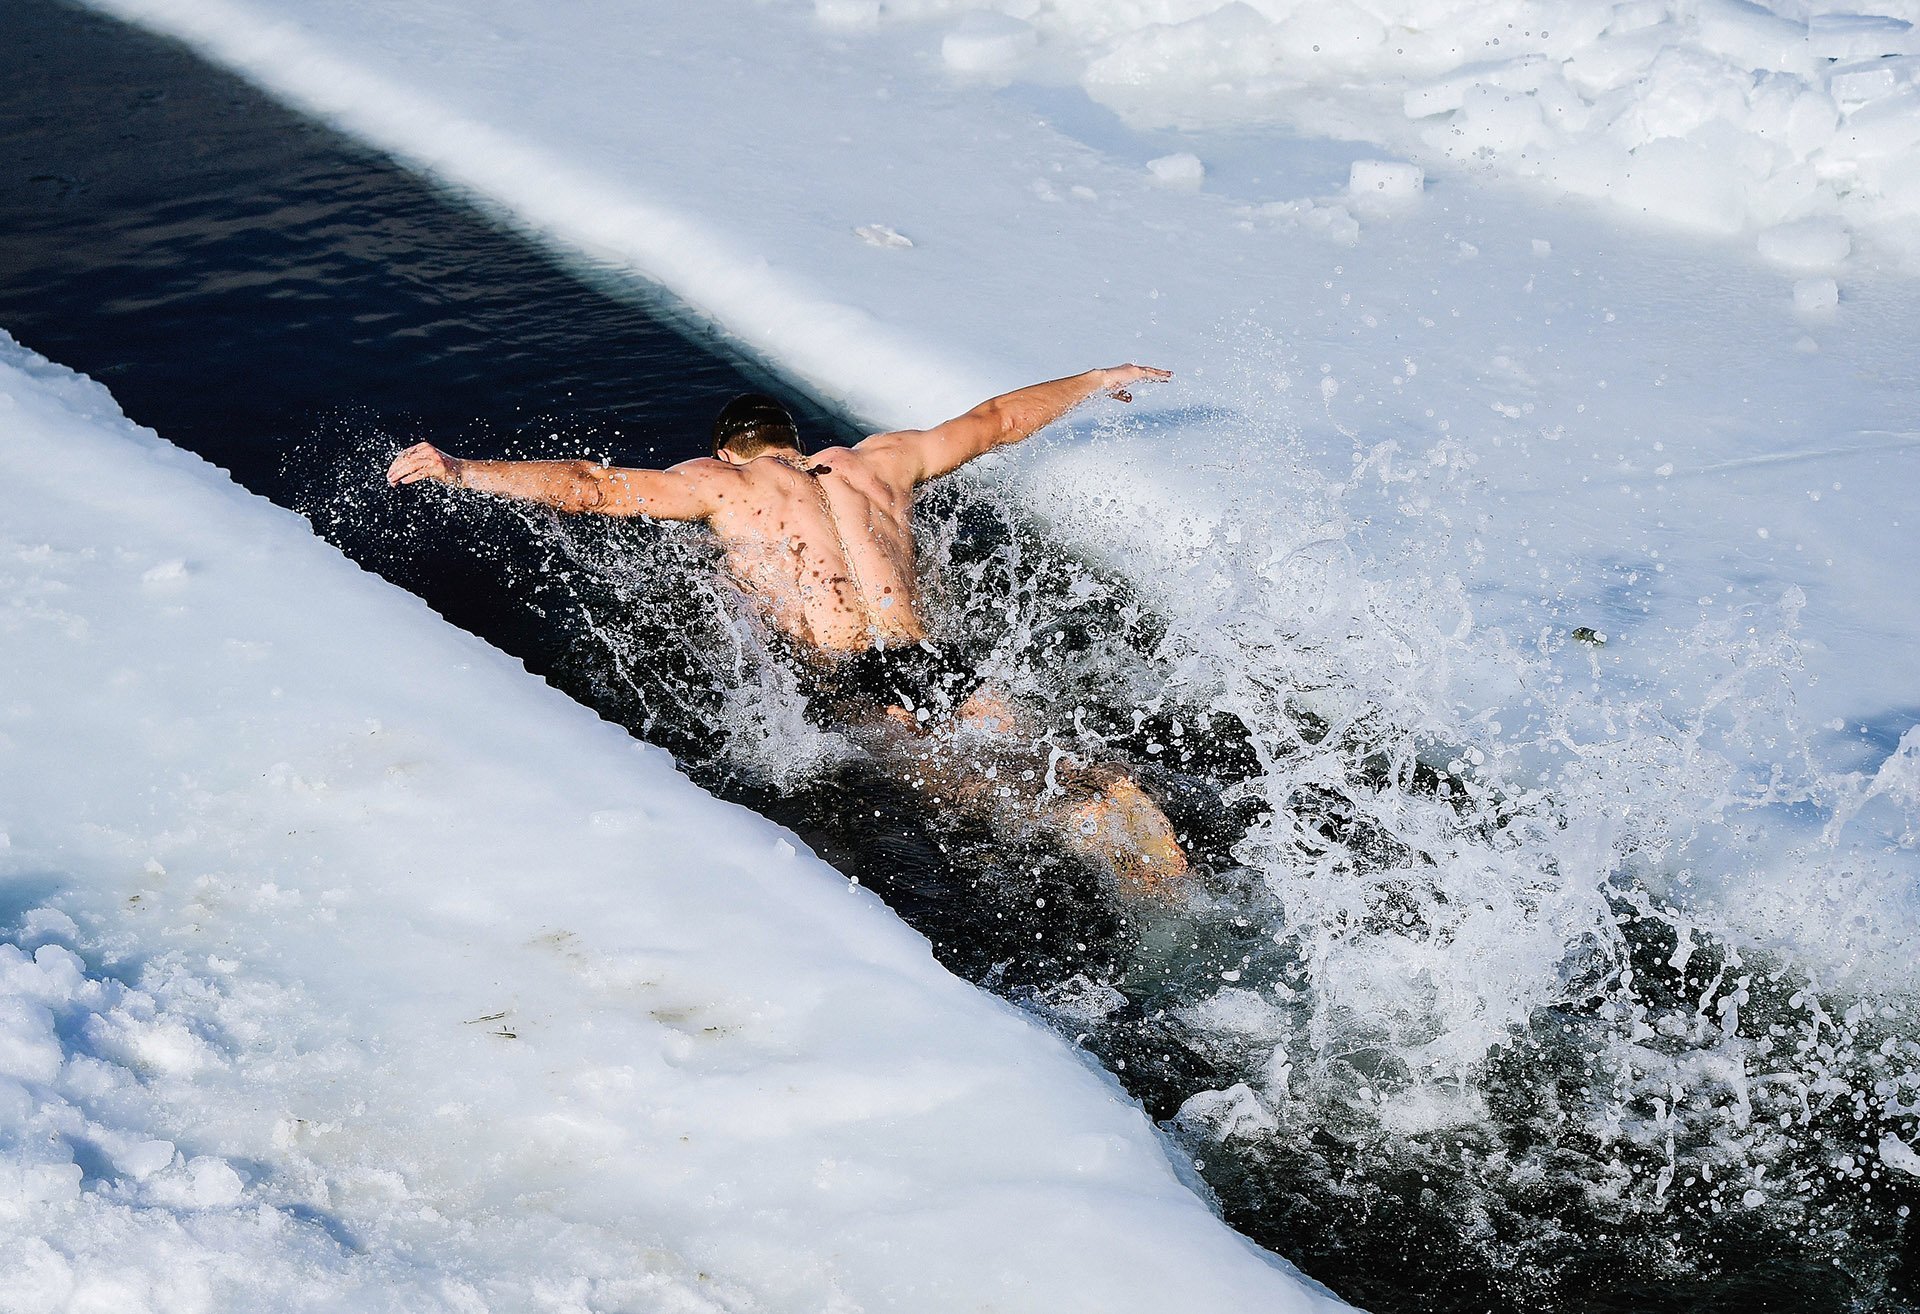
1815 296
1720 115
1805 245
1385 182
344 965
1595 372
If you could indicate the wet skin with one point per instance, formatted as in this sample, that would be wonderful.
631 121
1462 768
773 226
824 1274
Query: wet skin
824 546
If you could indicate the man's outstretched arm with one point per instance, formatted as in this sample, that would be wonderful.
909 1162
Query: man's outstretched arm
922 454
686 492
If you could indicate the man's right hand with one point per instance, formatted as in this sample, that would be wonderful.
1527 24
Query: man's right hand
424 461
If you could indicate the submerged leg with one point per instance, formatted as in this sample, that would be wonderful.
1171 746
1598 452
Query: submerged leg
1123 829
1100 812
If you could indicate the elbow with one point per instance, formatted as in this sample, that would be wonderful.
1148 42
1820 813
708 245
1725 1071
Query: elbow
1006 422
589 491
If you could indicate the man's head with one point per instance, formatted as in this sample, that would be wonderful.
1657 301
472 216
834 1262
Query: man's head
751 425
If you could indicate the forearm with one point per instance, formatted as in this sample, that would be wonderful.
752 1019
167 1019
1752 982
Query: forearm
1023 413
572 486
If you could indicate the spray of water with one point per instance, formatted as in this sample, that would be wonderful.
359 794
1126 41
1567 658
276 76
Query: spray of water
1491 972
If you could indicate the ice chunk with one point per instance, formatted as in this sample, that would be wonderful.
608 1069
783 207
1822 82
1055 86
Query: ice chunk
848 13
1385 182
1853 85
1333 222
1332 31
1180 169
29 1050
45 923
1492 120
165 574
883 235
1859 36
148 1044
38 1276
1635 15
23 1185
1686 183
1885 128
988 43
1750 37
144 1158
1808 244
1816 296
1232 40
203 1183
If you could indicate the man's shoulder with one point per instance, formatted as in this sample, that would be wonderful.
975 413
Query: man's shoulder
705 468
882 460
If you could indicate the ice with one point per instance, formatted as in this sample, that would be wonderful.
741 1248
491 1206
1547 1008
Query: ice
1566 94
351 967
1816 296
1885 130
1854 85
988 44
1859 36
882 235
1182 170
848 13
1385 182
1807 245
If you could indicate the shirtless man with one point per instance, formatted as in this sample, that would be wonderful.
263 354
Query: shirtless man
824 546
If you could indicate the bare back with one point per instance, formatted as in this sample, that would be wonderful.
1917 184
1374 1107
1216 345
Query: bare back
825 543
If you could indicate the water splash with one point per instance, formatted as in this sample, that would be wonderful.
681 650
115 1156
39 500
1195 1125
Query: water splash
1499 976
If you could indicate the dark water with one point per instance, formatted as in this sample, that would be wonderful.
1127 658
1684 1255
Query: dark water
296 309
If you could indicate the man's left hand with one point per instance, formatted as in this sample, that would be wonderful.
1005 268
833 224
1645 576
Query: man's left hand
1117 379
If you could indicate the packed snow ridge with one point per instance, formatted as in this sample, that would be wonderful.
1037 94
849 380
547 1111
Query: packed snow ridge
346 966
1789 120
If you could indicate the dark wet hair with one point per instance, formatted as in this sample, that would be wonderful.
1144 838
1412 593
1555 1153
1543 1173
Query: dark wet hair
754 423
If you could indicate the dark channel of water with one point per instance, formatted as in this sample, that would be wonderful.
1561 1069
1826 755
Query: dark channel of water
295 308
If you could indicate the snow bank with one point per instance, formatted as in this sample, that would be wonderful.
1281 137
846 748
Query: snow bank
345 966
1719 115
1507 401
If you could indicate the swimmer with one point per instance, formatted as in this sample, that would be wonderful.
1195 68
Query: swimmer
823 545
